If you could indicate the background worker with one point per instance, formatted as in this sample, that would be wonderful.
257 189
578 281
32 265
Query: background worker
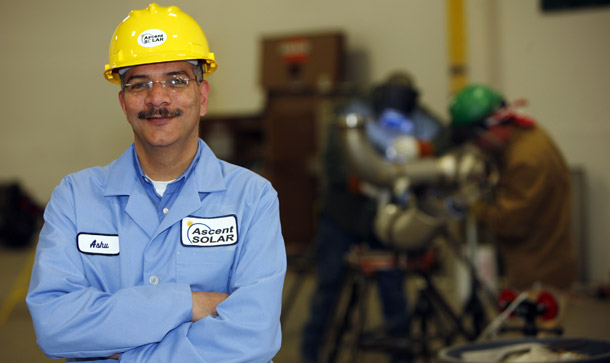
530 212
167 254
347 214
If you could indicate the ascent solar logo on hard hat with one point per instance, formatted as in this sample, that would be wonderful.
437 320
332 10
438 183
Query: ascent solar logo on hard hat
152 38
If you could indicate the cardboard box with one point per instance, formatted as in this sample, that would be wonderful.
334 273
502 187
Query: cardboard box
290 130
290 124
305 61
297 72
297 194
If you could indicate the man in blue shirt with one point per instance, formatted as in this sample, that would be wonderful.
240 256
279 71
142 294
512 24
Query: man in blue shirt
167 254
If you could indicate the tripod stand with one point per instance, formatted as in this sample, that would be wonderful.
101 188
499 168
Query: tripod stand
432 314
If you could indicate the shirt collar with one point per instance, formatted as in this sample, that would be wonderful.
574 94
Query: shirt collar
142 176
126 171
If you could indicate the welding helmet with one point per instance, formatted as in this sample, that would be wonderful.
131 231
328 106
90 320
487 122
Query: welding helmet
157 34
396 93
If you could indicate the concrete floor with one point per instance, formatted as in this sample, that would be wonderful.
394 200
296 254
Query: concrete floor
585 315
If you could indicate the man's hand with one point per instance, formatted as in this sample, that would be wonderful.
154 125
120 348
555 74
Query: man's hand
204 303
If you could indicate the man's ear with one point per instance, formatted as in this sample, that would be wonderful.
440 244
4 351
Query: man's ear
204 90
122 101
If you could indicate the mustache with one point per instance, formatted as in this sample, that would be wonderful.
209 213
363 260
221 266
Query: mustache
163 112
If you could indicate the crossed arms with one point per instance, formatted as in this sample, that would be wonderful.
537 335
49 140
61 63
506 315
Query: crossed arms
85 307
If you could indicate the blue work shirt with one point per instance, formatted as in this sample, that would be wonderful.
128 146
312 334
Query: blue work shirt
115 267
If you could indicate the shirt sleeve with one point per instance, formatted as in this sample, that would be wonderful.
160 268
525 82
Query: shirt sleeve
72 319
247 328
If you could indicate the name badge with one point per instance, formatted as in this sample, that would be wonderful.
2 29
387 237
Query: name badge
98 244
209 232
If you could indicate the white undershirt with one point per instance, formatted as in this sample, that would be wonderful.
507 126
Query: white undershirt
160 186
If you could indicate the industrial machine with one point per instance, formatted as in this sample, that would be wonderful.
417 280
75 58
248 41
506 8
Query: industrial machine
406 219
416 198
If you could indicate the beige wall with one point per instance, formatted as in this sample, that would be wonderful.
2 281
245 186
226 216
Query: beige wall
59 114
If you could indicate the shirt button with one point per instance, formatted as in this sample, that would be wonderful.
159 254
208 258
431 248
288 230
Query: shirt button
165 210
154 280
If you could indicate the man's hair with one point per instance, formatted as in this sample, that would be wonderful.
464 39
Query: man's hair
198 71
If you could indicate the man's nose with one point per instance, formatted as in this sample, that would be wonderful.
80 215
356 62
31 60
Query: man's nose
158 94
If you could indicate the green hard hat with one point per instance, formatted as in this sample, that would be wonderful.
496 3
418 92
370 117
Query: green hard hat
473 104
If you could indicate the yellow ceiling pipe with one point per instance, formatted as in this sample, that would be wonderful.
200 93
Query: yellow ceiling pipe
456 39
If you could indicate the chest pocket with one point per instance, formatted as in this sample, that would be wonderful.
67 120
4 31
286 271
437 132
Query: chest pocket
205 268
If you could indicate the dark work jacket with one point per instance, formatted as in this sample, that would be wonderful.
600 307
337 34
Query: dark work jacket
531 214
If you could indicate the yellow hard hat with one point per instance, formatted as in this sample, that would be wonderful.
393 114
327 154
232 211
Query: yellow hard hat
157 34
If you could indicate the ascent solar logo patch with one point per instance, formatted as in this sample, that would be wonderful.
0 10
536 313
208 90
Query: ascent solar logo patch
152 38
209 232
